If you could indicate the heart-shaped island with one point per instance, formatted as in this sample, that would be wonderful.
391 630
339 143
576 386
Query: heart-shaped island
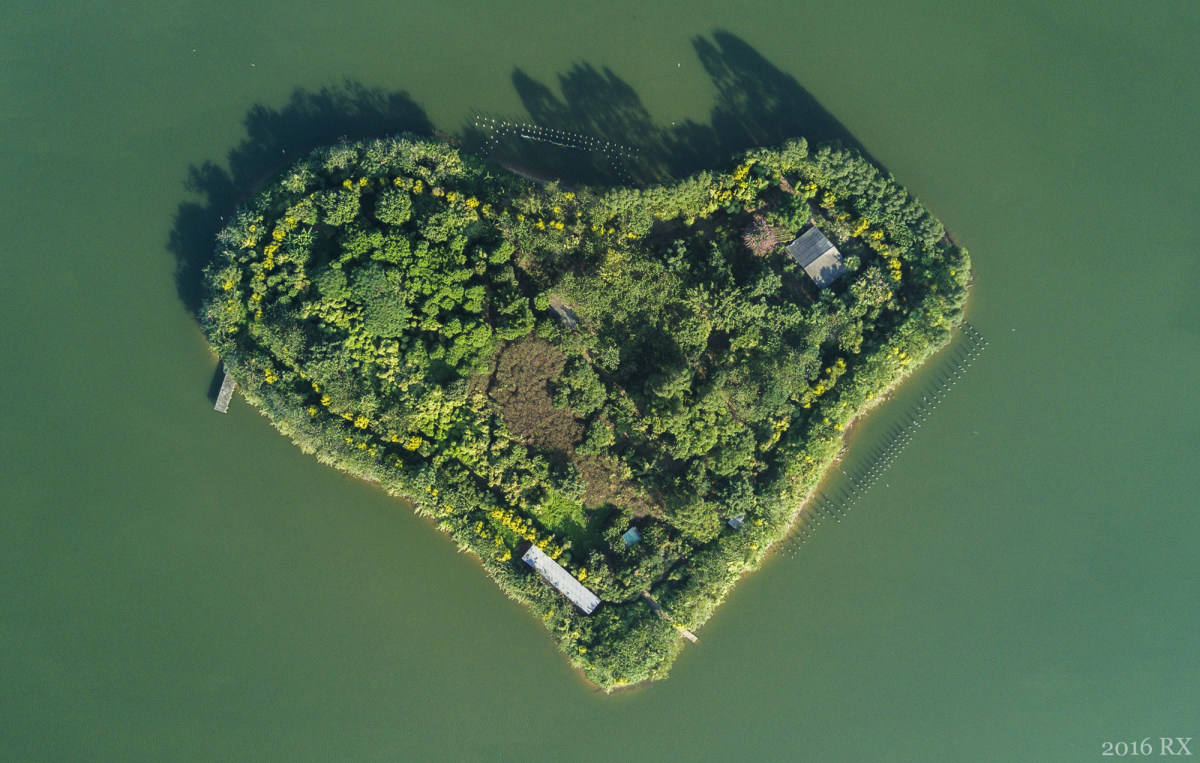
618 399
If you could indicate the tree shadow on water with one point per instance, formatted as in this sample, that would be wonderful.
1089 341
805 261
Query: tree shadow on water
274 139
597 131
757 104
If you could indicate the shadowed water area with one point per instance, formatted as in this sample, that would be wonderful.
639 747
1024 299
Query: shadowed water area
1002 567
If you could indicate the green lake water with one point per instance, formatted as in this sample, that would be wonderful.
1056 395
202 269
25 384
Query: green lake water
1021 585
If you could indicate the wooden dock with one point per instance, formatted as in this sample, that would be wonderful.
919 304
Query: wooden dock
225 394
654 605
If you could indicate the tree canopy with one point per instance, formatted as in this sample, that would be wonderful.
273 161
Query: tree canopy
536 364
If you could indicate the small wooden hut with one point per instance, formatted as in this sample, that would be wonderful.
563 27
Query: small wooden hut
818 256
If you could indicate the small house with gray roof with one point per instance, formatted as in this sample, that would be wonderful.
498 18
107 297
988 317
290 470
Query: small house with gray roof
565 582
818 256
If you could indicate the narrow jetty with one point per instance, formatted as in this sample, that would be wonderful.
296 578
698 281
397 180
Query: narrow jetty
654 605
225 394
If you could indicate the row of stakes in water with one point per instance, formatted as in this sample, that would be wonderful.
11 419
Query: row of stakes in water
825 506
499 128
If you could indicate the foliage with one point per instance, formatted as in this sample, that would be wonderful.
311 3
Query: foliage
539 365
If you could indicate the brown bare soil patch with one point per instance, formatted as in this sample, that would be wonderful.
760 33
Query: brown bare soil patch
521 387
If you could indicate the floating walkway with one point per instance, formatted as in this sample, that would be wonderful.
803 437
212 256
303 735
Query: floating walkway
960 356
499 131
225 394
